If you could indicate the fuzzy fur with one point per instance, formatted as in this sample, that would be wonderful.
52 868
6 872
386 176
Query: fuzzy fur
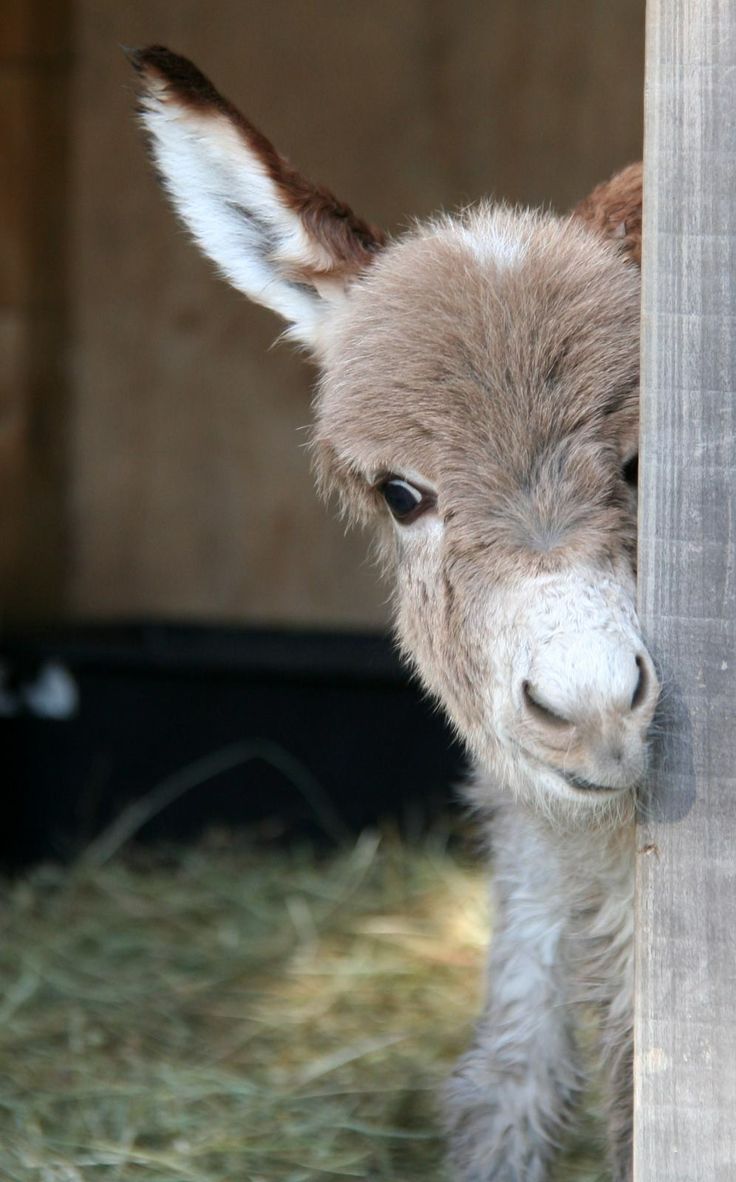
491 360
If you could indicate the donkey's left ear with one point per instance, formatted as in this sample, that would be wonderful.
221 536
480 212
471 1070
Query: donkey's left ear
614 210
283 241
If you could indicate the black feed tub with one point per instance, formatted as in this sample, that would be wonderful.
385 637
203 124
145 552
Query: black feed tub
295 733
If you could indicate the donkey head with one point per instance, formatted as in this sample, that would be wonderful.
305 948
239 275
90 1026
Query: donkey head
478 403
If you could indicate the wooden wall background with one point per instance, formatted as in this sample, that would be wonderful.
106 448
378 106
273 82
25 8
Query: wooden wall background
150 460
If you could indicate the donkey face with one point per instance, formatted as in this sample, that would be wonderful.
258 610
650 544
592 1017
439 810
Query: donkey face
478 403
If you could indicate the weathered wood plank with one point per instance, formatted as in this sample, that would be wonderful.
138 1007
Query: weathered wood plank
685 1063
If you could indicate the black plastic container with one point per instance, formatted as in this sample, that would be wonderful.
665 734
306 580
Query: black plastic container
292 732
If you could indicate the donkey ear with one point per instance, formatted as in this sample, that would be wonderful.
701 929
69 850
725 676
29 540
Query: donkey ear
614 210
283 241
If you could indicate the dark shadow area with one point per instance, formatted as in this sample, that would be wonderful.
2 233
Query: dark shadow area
294 733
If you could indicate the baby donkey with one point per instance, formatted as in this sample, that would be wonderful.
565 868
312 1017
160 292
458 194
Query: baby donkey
478 405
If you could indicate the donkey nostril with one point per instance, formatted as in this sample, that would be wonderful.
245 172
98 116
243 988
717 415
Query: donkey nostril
642 685
541 712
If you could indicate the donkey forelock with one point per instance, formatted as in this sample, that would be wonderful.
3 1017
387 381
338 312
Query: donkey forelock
495 354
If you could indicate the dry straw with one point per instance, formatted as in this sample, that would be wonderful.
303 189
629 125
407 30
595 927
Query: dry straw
237 1013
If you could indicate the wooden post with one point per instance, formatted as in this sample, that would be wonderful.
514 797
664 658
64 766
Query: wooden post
685 1059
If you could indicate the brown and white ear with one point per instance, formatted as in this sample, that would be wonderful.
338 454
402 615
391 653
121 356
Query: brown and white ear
614 210
285 242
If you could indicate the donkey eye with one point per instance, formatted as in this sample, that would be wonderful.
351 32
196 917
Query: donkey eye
630 471
405 500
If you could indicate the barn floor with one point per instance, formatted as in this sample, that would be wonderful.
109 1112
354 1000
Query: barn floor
230 1013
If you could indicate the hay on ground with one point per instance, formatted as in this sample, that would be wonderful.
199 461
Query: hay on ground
227 1013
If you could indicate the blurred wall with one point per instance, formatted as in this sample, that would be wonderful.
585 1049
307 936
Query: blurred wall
150 446
35 129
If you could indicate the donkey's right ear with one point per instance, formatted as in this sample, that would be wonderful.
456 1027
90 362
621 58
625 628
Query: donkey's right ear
613 209
283 241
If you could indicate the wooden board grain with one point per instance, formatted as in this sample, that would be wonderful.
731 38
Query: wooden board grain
685 1063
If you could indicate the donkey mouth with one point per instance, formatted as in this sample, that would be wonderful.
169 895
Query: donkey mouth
579 783
584 785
